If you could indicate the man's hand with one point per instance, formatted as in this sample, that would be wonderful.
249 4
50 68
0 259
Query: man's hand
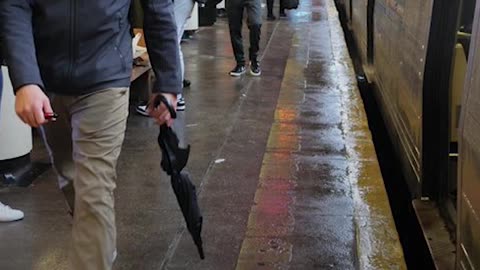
31 105
161 113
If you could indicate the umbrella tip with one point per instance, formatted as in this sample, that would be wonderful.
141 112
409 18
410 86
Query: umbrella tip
200 251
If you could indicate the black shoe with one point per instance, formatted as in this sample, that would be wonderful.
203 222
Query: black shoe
271 17
255 69
238 70
186 36
186 83
283 14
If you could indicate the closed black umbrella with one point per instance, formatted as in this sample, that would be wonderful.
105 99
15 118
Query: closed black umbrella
174 159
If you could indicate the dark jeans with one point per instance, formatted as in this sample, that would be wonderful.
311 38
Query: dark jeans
235 10
270 7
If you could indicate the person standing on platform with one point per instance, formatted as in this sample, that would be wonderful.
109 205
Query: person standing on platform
7 214
85 78
270 15
182 11
235 9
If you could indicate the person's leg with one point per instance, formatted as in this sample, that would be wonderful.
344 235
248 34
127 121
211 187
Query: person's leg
282 10
58 140
235 17
98 129
270 9
183 10
254 11
255 31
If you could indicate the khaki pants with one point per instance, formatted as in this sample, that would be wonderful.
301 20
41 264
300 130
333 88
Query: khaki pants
84 145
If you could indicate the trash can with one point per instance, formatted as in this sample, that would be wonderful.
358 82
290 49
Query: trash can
15 136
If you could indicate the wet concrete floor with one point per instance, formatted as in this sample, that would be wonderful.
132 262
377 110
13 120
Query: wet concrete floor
284 164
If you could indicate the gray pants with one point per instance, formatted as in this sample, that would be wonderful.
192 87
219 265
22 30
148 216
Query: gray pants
84 144
183 10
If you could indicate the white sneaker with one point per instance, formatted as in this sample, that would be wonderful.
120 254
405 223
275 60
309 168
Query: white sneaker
8 214
180 103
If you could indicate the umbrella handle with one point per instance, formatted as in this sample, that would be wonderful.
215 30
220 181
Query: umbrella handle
162 99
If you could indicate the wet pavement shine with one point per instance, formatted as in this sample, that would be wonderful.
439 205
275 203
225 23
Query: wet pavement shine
284 165
320 201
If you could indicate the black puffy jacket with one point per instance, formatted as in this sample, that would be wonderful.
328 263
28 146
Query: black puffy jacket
79 46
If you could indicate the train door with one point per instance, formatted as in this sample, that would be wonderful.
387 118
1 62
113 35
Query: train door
468 222
457 82
446 63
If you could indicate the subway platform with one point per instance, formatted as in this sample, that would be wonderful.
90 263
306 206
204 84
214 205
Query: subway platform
284 165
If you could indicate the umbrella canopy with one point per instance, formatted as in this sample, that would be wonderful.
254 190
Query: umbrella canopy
174 159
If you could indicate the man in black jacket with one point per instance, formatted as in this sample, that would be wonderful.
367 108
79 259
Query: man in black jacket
79 54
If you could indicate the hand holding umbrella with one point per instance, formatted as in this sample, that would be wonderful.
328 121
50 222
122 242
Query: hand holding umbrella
174 159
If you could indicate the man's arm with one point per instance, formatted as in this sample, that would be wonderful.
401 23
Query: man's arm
161 38
18 44
16 33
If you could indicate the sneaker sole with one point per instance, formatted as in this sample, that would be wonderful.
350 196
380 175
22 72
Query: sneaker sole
236 74
7 220
12 219
255 74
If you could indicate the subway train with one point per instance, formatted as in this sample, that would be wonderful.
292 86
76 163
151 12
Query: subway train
421 59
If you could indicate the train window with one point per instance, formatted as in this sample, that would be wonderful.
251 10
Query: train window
466 17
459 69
466 22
